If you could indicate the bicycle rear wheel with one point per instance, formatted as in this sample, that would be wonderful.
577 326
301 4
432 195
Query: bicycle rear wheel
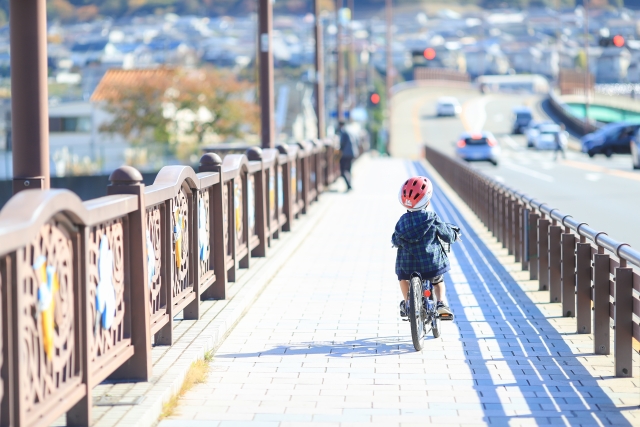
435 319
416 312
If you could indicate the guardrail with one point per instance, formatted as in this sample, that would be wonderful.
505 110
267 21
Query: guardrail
88 287
577 125
584 269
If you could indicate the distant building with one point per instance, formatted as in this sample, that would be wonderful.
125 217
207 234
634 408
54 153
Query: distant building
76 143
612 65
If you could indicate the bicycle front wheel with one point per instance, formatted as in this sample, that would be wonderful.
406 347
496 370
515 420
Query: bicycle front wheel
416 313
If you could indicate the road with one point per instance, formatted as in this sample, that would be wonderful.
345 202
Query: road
605 193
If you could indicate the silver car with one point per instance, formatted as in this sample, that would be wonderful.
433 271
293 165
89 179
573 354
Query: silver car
448 106
547 136
533 130
481 146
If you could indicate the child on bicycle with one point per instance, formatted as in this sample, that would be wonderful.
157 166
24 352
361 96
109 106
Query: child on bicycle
416 237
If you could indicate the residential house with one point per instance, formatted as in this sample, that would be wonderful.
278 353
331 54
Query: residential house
612 65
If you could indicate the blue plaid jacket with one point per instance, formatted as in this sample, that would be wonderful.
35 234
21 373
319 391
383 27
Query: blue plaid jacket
416 237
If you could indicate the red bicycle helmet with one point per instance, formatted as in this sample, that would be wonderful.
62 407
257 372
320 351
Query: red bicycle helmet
416 193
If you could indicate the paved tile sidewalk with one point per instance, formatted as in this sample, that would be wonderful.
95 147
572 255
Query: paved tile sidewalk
324 343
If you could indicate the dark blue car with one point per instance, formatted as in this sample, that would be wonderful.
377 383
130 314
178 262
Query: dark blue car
609 139
635 150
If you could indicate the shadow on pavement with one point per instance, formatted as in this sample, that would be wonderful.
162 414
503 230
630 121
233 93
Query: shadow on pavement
522 367
367 347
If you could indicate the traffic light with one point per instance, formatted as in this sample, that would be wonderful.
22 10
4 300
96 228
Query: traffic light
616 41
429 54
374 99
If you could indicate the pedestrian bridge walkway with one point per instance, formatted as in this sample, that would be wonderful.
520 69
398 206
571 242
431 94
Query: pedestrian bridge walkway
324 343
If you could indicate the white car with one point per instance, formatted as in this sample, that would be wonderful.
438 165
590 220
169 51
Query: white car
448 106
532 131
546 137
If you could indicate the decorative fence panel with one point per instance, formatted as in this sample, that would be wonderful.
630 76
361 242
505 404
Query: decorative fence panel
88 287
585 270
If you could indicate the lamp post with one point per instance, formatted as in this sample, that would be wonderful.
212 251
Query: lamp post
340 64
352 59
265 30
319 63
390 70
586 66
30 94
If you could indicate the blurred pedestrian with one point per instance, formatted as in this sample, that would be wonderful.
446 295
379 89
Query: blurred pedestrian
348 151
560 140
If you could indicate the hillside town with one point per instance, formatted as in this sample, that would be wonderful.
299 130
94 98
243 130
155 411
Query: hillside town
477 42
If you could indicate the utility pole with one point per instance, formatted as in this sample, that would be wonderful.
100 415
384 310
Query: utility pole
319 70
265 31
340 64
30 94
587 82
390 70
352 59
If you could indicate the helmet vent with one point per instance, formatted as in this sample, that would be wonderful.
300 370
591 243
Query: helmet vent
423 186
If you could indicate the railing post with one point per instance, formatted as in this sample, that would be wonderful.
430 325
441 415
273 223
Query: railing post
555 264
7 368
192 310
211 162
532 233
568 275
255 155
543 254
623 321
494 213
504 206
583 288
499 214
127 180
245 262
601 293
524 232
517 233
286 187
510 225
306 181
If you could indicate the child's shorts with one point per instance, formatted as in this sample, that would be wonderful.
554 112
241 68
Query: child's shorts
433 280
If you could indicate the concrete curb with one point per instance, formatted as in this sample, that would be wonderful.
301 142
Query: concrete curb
196 338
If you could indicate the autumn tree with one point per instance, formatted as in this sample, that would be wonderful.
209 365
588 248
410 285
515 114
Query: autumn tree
136 101
178 108
218 103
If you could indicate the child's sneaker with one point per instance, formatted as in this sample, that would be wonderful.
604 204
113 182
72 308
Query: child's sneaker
403 309
444 311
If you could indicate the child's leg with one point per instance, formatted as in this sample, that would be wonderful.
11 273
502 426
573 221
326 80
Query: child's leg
441 291
404 288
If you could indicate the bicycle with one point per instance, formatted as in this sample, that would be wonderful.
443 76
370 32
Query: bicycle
423 314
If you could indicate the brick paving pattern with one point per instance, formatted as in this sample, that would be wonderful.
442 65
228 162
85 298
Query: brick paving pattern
324 344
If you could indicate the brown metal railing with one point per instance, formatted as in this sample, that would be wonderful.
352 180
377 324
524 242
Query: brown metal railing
88 287
585 270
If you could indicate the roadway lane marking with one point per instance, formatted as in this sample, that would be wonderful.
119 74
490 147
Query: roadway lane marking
530 172
600 169
593 177
511 143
